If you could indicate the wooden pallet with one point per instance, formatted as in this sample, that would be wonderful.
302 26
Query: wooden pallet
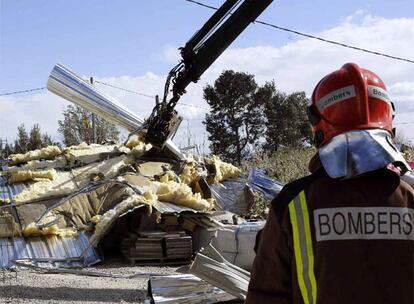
158 248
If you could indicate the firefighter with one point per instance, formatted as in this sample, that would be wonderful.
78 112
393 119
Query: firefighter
345 233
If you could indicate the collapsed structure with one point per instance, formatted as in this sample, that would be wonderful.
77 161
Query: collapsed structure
80 192
88 187
154 205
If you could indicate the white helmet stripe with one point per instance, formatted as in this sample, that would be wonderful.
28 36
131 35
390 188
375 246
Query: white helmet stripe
335 97
379 93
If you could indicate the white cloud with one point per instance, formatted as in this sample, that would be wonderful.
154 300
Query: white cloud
296 66
171 54
43 108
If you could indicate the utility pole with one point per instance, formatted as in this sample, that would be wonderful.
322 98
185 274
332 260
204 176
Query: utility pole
3 144
93 121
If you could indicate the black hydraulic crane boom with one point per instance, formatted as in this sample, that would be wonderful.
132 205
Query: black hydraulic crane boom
198 54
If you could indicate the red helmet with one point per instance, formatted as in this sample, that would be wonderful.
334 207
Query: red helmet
350 98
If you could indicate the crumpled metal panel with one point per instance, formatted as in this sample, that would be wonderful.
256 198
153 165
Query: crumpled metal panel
232 194
185 289
260 182
164 207
48 251
210 266
7 191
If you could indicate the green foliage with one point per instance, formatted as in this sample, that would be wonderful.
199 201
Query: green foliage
236 117
408 153
22 141
47 140
284 165
246 117
259 208
287 122
8 149
26 142
77 127
35 139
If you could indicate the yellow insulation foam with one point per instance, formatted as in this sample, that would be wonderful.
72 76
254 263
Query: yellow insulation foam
58 163
81 146
63 184
135 140
27 175
168 176
106 220
45 153
107 169
189 174
223 170
137 145
5 201
181 194
140 149
33 230
68 182
86 154
96 218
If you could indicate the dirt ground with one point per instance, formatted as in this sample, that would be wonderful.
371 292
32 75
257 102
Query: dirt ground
120 282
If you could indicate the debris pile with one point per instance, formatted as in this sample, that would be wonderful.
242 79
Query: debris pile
155 205
89 187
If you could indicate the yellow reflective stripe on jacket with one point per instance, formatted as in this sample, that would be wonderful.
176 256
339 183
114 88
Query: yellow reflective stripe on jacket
297 250
302 246
309 245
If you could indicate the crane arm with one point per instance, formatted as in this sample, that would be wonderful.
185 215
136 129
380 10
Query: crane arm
198 54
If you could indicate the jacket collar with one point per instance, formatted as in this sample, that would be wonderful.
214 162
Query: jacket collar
357 152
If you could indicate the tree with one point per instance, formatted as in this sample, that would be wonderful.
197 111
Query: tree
35 138
235 122
47 140
287 122
76 127
8 149
22 141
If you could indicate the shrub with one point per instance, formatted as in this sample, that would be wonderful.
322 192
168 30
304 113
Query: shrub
284 165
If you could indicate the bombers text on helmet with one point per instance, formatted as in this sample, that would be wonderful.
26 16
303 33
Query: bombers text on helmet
350 98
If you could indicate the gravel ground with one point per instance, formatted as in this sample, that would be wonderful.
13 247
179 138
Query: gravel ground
124 283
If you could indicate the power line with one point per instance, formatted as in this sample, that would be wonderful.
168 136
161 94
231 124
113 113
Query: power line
193 106
149 96
126 90
113 86
152 96
313 37
23 91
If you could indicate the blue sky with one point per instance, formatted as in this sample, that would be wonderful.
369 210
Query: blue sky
126 37
133 44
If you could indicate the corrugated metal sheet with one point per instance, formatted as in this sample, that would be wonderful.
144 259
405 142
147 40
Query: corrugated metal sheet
55 251
262 183
185 289
45 251
171 208
8 191
48 251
